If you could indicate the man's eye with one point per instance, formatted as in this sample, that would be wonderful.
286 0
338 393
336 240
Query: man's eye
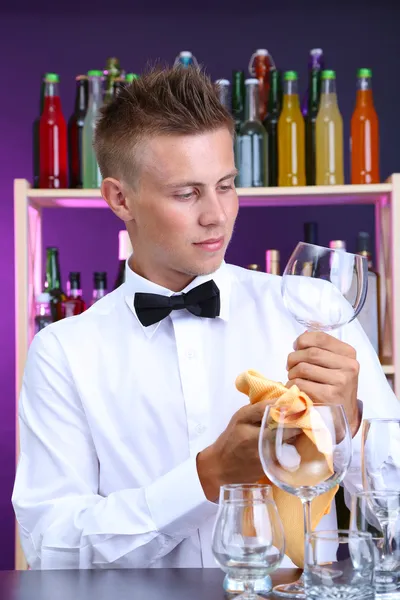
184 196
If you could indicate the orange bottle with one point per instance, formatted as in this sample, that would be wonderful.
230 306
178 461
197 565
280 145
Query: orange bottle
364 136
260 65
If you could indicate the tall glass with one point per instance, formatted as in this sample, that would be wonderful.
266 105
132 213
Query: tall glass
305 454
380 455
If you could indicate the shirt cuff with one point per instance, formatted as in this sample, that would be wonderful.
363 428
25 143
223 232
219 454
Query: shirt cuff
177 502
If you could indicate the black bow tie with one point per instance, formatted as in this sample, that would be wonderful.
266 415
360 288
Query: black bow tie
202 301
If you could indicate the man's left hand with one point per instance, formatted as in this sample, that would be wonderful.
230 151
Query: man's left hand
326 369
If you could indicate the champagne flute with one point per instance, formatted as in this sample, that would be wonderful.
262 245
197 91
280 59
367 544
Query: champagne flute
304 464
380 455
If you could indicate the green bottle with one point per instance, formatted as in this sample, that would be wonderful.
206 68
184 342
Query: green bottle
111 72
271 125
237 100
314 94
91 171
131 77
53 284
252 142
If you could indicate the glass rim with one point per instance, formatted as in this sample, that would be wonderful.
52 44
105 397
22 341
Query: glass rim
329 249
312 405
372 420
334 534
377 493
246 486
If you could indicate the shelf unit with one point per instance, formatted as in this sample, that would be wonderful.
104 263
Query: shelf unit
385 197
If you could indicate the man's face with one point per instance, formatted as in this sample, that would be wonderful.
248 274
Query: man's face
184 207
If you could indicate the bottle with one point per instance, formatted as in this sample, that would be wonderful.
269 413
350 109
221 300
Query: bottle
271 125
252 142
91 171
314 94
272 262
53 284
291 144
260 65
364 133
130 77
43 311
369 314
311 233
74 303
75 132
124 252
329 134
222 87
238 95
337 245
186 59
315 63
253 267
36 136
53 163
99 286
111 72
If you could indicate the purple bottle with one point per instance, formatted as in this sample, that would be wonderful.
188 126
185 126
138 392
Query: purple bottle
315 63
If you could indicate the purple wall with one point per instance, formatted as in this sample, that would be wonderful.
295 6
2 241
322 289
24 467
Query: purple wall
71 42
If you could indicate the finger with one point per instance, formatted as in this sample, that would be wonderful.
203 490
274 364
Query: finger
317 392
320 339
316 356
252 413
315 373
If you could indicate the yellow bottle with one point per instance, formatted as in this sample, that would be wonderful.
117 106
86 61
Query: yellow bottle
329 134
291 142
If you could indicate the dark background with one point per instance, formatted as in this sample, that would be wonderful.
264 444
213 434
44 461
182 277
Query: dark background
69 39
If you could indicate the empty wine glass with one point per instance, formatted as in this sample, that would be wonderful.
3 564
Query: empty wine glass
324 288
304 454
380 455
248 539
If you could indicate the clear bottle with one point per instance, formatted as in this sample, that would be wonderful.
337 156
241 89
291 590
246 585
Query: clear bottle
329 134
186 59
369 314
291 135
99 286
223 91
252 142
124 252
91 171
43 316
272 262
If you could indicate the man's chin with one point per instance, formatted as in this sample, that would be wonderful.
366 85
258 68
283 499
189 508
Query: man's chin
205 268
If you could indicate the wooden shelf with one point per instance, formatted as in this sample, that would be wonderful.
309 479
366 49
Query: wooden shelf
250 197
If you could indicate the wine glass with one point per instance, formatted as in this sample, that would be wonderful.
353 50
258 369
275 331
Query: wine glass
324 288
304 454
380 455
248 539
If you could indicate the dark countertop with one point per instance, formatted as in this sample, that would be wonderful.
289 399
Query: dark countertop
121 584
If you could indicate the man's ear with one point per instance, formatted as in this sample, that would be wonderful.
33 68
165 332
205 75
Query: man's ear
114 193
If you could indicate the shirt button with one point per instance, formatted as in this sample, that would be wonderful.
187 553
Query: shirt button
191 353
200 429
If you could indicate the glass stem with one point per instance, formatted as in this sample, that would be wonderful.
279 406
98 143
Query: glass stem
387 543
249 592
307 522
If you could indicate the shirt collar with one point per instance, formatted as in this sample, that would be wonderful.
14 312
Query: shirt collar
135 283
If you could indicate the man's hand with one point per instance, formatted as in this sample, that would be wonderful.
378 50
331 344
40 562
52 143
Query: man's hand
233 457
326 369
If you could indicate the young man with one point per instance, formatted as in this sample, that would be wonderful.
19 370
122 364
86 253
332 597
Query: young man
130 419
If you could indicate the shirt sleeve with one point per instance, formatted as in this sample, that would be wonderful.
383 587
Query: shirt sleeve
376 398
64 521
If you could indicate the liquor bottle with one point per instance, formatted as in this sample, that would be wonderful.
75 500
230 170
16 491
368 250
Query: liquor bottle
99 286
271 125
364 135
311 233
36 136
53 284
329 134
272 262
291 143
314 94
222 86
369 314
185 59
74 303
75 132
252 142
315 63
43 311
111 72
260 65
91 171
53 162
238 95
253 267
124 252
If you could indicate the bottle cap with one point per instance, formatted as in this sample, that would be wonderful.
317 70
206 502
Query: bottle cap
251 81
185 54
253 267
43 297
363 242
52 78
131 77
81 78
125 246
328 74
52 249
316 52
262 52
364 73
95 73
290 76
75 280
223 82
337 245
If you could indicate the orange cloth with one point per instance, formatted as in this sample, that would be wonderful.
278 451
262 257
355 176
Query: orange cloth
312 444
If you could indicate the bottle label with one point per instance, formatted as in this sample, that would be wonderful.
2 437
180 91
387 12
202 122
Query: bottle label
251 160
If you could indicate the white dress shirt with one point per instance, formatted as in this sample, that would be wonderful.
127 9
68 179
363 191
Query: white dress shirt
112 416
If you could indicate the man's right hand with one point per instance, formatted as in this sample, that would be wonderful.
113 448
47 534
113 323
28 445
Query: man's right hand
233 457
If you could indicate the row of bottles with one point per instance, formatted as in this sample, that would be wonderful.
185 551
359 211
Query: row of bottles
53 304
281 143
63 156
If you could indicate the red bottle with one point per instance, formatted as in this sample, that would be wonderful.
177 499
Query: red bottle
260 65
53 163
74 304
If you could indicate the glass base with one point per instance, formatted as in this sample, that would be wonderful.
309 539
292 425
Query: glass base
232 586
291 590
